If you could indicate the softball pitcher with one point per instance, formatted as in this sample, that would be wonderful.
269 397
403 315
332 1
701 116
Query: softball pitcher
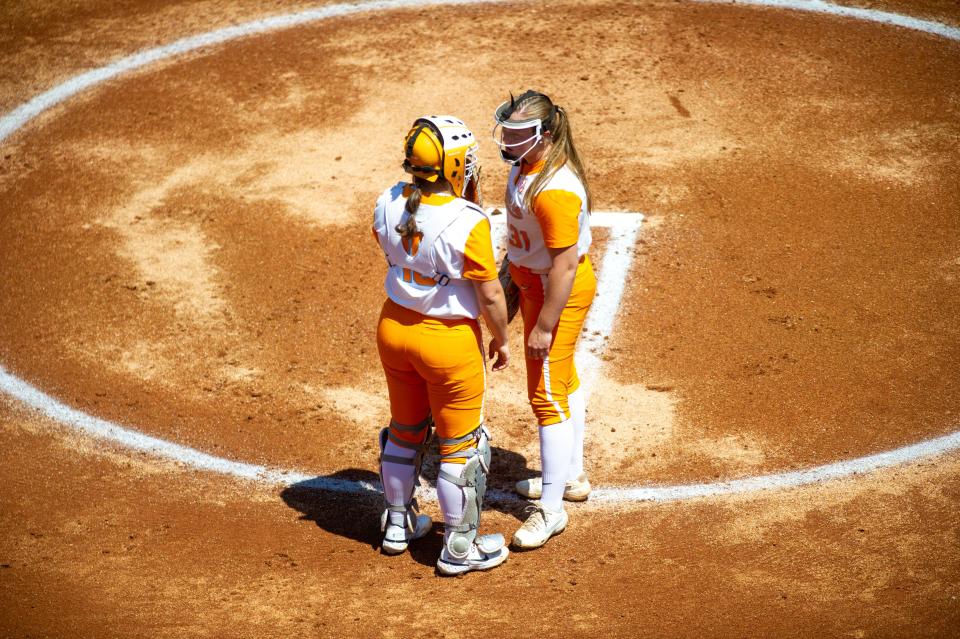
442 275
548 206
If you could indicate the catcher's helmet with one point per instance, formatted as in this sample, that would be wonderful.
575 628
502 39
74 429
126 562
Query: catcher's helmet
441 146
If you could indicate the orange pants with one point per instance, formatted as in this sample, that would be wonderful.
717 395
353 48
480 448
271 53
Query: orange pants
551 380
433 366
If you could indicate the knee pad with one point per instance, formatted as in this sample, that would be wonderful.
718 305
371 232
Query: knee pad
425 427
473 482
410 508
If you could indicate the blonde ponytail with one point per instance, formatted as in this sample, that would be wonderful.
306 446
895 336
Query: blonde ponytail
562 150
409 228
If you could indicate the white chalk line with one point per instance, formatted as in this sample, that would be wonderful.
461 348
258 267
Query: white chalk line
34 107
866 15
621 240
102 429
623 228
614 271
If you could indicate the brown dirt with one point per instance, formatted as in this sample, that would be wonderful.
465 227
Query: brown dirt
185 250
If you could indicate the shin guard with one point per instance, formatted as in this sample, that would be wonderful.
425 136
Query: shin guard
473 482
409 506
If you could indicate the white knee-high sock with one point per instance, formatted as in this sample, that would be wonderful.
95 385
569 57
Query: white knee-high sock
451 496
578 415
556 442
397 479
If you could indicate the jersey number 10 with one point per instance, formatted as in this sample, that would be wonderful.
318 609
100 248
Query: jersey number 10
411 276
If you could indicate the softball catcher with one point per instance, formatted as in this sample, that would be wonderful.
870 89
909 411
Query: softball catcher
442 276
548 216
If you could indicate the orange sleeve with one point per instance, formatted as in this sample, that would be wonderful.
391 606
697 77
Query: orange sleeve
479 263
559 215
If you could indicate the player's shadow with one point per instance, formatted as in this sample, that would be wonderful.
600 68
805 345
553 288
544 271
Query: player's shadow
346 503
349 502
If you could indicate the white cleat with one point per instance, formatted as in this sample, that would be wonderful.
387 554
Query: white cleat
488 552
574 490
397 537
541 525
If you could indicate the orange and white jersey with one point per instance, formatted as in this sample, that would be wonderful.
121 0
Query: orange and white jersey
560 217
432 273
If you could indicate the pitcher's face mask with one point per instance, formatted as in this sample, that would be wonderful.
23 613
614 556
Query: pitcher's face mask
515 138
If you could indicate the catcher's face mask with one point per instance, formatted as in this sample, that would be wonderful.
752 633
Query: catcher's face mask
516 138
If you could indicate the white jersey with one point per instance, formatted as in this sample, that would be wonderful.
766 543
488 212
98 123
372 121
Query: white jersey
529 236
426 275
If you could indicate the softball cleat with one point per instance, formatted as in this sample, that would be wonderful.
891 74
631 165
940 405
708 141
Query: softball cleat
396 537
541 525
488 551
575 490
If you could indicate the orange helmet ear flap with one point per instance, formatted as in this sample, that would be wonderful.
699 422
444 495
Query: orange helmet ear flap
441 146
423 152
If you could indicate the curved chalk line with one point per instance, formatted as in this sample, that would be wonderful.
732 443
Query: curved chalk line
622 237
867 15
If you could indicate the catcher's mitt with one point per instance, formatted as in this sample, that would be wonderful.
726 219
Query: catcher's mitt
510 290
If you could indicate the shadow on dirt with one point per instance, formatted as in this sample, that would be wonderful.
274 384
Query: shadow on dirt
348 502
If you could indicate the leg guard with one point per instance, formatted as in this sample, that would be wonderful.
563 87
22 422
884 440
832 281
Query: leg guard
409 507
473 482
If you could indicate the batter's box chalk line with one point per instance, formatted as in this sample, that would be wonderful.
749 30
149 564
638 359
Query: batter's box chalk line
623 228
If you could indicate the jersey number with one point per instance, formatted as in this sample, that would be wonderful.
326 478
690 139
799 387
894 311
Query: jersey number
411 277
519 239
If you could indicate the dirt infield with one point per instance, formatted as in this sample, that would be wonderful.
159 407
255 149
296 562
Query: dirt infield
185 251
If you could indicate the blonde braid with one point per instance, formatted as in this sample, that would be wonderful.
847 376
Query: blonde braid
409 228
